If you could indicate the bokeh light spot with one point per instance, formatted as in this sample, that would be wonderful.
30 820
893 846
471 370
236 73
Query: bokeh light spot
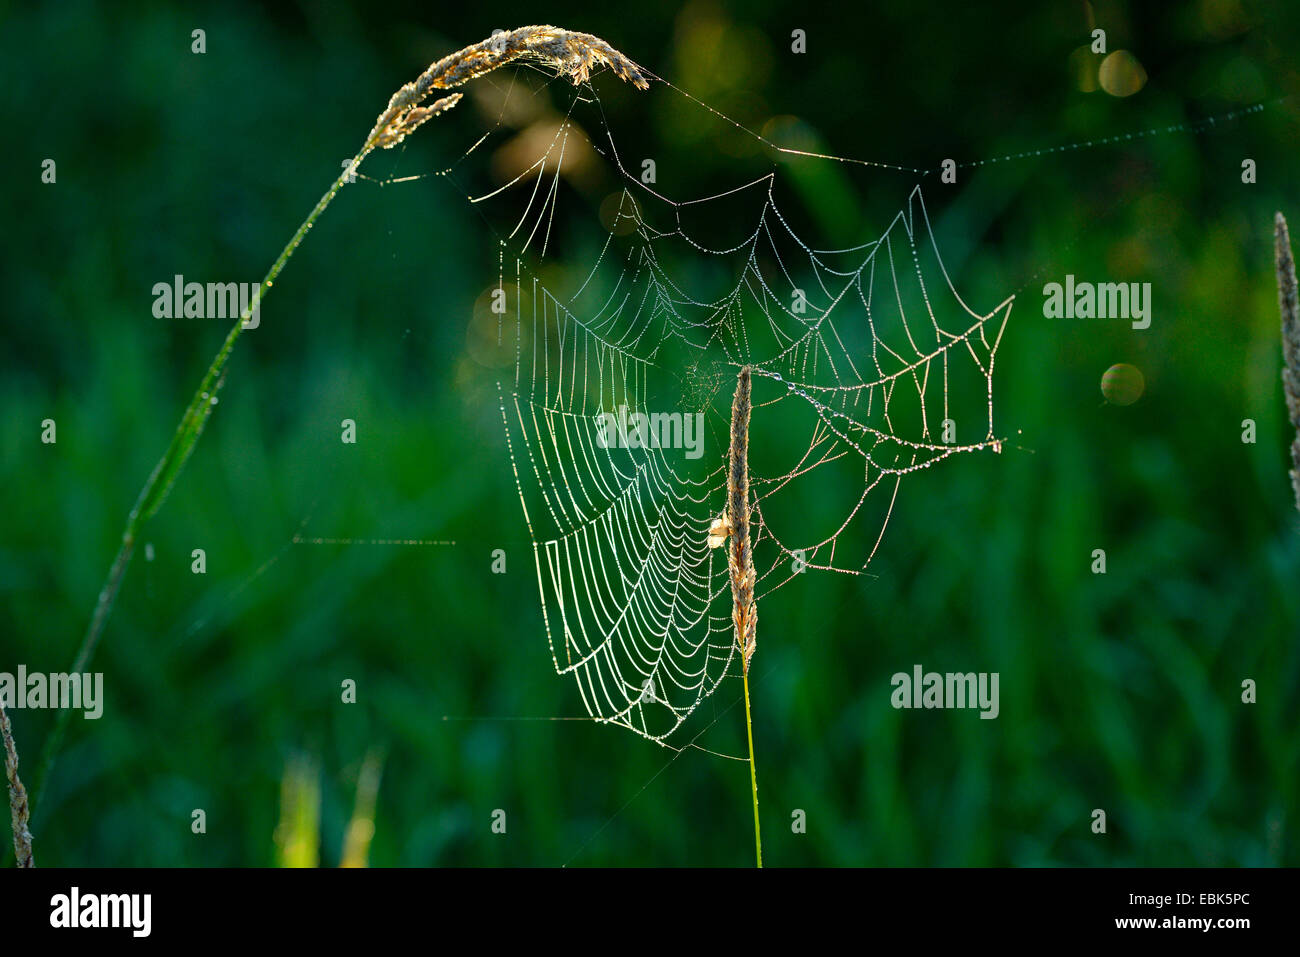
1121 74
1122 384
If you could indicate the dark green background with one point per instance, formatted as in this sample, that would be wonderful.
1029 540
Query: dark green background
1119 692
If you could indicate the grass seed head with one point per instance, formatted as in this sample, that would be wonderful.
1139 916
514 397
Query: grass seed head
571 55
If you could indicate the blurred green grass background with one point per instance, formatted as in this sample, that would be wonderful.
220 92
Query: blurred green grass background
1119 692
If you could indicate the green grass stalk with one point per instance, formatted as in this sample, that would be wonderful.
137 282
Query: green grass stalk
753 772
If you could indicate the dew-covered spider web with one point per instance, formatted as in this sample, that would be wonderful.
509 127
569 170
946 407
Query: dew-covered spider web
625 331
855 355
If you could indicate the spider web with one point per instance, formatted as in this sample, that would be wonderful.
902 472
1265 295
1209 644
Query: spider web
866 363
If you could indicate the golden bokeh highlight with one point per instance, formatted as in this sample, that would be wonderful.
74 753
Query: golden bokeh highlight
1121 74
1122 384
560 142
